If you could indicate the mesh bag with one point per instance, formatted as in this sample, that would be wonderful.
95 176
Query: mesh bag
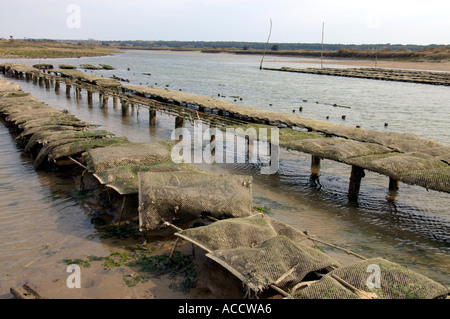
325 288
277 261
231 233
46 137
179 197
48 128
57 119
409 168
128 154
437 179
71 147
442 153
124 179
396 282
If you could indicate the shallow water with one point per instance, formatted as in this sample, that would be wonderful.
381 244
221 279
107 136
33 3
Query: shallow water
413 229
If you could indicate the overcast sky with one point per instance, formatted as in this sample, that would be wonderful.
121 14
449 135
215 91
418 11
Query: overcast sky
295 21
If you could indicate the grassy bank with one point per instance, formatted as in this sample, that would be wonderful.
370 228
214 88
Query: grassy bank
441 54
35 50
426 55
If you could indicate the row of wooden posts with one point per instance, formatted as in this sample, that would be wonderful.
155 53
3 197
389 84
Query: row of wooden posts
357 173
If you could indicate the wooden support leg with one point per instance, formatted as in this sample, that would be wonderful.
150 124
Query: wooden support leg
152 117
125 110
393 184
355 183
105 102
179 122
315 170
89 97
115 101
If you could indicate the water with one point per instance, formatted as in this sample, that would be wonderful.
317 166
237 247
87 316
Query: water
412 230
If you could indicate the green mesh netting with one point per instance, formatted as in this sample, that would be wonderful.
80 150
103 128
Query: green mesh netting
128 154
395 282
278 261
179 197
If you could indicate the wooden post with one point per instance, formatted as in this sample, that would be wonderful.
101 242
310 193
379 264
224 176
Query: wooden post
179 122
105 101
355 183
89 97
56 85
315 170
41 81
68 90
115 101
35 78
125 110
393 184
152 117
212 141
77 93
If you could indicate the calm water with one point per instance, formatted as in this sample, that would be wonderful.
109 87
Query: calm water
412 230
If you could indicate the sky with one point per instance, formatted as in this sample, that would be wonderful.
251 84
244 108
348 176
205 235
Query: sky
293 21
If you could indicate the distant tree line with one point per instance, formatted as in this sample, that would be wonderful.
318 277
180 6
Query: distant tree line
249 45
272 46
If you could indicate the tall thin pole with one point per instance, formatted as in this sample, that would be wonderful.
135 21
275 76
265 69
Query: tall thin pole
376 56
265 48
321 53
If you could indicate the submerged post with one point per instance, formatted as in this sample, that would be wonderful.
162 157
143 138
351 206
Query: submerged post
89 97
124 103
393 184
179 121
105 101
152 117
315 170
56 85
114 101
67 89
355 183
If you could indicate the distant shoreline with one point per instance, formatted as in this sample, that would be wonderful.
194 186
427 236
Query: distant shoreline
436 60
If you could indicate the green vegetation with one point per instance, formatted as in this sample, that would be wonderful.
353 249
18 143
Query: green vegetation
149 266
90 67
67 66
263 210
126 230
107 67
43 66
20 94
51 49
